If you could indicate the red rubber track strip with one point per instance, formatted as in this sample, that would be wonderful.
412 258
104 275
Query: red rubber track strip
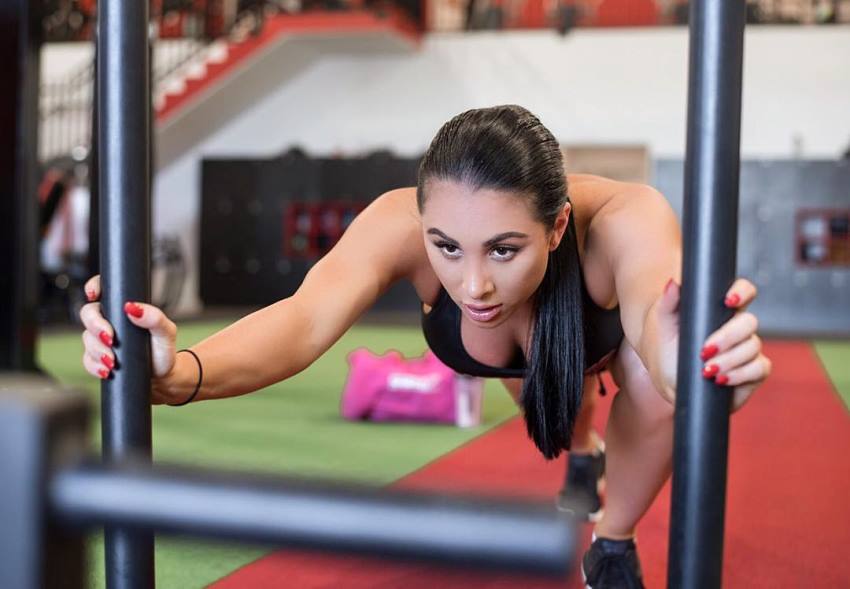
788 500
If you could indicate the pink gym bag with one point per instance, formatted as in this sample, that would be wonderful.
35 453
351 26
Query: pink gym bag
394 388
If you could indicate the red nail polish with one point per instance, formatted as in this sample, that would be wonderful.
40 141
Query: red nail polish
107 361
710 370
708 352
103 372
90 295
722 379
133 309
732 300
106 338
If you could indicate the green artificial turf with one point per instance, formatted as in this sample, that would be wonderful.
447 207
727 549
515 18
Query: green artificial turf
835 356
293 427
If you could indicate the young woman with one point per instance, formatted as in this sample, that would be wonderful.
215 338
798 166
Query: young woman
519 279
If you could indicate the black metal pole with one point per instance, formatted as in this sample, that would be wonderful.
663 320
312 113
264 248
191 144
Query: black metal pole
123 128
709 255
94 175
20 44
247 507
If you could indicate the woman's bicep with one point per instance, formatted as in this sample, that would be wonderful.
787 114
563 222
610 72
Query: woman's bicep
284 338
378 249
644 250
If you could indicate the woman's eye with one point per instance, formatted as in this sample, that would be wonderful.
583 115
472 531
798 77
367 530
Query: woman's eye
503 252
449 249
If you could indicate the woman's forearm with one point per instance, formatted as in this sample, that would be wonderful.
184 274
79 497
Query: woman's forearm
258 350
649 351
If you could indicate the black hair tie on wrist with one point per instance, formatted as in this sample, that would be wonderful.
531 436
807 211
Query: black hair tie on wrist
197 386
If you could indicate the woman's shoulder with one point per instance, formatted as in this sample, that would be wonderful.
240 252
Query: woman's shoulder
629 203
609 215
636 219
395 213
399 202
603 199
394 216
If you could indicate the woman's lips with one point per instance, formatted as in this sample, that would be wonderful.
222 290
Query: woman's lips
481 313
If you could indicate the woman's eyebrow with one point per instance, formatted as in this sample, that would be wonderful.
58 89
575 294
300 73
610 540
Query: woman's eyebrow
437 232
489 243
502 236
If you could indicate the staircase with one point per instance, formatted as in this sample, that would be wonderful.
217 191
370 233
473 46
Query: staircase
201 86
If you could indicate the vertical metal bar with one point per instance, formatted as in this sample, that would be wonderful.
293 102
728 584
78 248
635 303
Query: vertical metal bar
63 107
20 45
123 126
94 173
709 256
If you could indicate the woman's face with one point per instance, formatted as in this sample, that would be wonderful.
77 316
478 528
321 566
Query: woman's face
486 247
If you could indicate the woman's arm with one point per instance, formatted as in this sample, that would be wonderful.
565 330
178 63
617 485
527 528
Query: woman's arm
382 246
642 242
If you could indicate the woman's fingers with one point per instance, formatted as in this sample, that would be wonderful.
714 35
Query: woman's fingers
739 355
752 376
163 334
741 294
732 354
738 329
151 318
754 371
94 368
94 322
98 351
92 288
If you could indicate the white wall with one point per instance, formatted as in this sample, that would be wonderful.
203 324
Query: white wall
61 59
605 86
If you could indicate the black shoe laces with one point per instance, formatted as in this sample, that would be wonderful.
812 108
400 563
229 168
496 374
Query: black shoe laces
614 570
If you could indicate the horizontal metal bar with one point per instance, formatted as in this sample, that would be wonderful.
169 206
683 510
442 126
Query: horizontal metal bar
466 531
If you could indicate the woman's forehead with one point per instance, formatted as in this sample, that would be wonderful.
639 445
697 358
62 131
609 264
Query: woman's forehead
447 200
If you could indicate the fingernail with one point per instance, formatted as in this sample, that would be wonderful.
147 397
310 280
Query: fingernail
107 361
90 295
710 370
708 352
133 309
106 338
103 372
722 379
669 284
732 300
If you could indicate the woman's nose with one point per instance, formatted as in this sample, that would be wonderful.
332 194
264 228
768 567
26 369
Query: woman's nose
477 284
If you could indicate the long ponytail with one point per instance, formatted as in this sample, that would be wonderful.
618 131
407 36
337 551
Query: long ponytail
552 389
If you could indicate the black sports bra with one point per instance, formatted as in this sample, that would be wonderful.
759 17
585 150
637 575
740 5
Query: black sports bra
441 326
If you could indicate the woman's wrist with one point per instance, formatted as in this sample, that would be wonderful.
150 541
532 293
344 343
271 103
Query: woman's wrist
181 381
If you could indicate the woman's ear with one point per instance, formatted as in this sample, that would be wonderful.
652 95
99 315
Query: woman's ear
561 224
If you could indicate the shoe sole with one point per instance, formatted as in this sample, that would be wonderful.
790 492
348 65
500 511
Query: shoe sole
584 578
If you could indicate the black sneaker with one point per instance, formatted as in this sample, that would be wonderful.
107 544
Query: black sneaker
585 480
612 564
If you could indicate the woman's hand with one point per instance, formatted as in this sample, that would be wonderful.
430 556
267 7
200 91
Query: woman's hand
732 355
99 358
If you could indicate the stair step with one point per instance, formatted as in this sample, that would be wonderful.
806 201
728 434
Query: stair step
196 71
218 52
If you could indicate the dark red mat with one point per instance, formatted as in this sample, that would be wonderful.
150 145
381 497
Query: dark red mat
788 506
